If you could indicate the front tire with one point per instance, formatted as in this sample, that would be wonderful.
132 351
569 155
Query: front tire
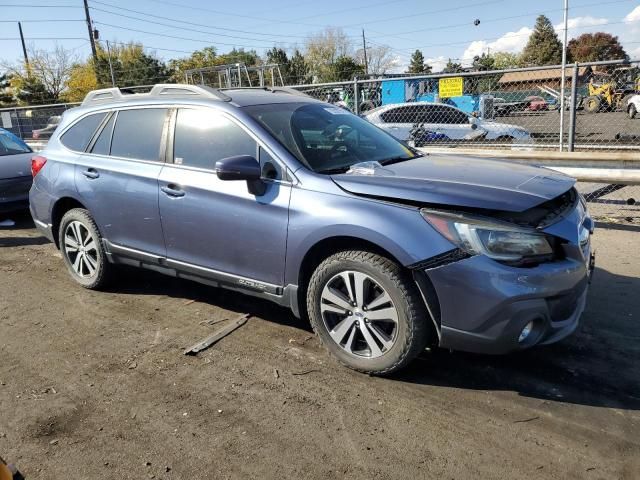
368 312
82 250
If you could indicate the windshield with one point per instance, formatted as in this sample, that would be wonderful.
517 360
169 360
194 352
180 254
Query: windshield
328 139
11 145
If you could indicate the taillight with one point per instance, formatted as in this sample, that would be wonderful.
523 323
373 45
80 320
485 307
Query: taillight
37 163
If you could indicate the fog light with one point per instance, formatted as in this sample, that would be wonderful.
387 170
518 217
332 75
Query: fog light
526 331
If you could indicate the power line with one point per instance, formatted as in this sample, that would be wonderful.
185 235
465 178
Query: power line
22 5
177 26
42 21
184 21
210 42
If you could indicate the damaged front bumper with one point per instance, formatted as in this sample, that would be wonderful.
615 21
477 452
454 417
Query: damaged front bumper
483 305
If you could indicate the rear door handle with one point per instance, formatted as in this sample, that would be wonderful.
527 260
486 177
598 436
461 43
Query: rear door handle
173 190
91 173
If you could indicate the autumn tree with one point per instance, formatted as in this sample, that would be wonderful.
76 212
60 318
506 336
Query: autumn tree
82 80
544 46
418 64
379 59
503 60
322 51
594 47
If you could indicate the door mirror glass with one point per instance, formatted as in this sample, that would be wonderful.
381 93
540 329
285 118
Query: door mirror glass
239 167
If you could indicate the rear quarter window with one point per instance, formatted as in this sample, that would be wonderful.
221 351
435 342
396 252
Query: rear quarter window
138 133
79 135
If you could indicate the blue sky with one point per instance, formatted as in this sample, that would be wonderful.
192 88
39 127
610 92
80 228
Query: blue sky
440 29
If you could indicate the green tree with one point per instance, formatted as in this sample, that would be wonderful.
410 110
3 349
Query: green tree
452 67
343 69
207 57
279 57
544 46
594 47
483 62
298 70
132 66
418 64
29 90
239 55
6 93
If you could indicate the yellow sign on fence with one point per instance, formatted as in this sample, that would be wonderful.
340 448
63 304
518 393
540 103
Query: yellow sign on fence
450 87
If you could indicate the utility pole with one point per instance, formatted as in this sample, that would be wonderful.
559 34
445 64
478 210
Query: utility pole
564 68
24 49
90 28
364 49
113 78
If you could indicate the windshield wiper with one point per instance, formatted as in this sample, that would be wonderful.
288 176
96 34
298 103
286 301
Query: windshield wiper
392 160
331 171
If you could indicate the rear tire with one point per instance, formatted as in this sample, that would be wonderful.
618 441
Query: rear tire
632 111
377 323
82 250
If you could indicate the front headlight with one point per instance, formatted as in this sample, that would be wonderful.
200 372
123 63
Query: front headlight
495 239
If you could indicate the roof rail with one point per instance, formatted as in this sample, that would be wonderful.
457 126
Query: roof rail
163 90
288 90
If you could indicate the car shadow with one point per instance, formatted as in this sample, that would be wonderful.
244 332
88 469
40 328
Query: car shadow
597 366
21 221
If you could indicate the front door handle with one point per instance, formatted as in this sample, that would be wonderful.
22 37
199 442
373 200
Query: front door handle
91 173
173 190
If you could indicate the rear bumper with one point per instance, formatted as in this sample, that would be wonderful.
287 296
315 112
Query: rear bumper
484 305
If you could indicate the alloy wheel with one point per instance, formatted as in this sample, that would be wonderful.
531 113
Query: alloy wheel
81 249
359 314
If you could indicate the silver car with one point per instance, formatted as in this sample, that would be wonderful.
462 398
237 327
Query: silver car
448 122
15 172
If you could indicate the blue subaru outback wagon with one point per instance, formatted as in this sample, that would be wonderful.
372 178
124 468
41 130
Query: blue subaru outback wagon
274 194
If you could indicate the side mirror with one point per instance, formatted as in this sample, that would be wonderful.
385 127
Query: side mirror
242 167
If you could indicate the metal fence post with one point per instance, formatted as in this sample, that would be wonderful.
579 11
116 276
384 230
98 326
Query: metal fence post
574 107
18 123
356 97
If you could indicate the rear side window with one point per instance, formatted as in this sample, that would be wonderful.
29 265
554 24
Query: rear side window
203 137
79 135
138 133
103 142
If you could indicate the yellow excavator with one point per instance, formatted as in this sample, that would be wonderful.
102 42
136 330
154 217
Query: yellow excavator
610 91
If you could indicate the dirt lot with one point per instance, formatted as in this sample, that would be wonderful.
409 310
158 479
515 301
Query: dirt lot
94 385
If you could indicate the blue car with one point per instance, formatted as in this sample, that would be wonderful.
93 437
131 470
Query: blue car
277 195
15 172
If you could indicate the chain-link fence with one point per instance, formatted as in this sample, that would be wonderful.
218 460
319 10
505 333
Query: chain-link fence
502 109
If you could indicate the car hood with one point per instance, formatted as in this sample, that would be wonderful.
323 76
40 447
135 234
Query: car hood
12 166
460 182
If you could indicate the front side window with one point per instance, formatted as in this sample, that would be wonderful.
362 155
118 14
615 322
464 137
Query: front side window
453 116
326 138
138 133
79 135
11 145
202 137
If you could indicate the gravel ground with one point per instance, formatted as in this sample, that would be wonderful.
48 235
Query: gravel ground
94 385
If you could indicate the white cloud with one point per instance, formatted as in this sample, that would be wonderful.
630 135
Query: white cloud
579 23
437 63
512 42
633 16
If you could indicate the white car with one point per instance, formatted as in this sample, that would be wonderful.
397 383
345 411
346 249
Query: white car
633 106
398 119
